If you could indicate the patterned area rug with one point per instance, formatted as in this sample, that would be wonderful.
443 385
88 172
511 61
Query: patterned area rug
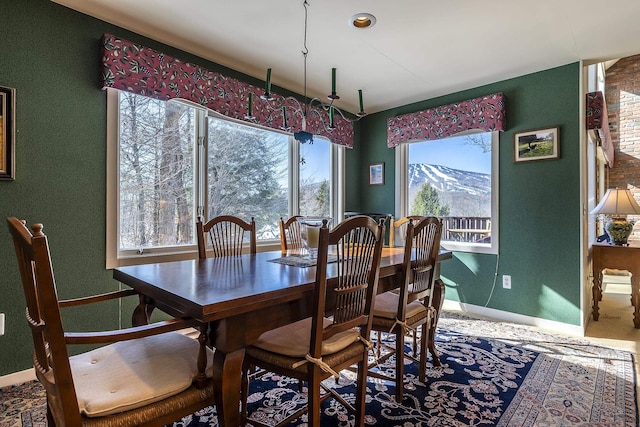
23 405
493 374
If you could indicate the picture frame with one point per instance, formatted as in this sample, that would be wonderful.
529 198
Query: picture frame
7 133
537 144
376 174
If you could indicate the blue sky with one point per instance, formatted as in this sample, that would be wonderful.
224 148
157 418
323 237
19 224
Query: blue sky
455 152
317 160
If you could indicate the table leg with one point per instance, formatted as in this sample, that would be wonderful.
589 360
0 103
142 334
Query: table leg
142 312
596 291
227 377
436 301
635 300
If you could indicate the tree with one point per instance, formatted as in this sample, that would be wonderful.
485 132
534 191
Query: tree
245 169
427 203
156 174
478 140
323 196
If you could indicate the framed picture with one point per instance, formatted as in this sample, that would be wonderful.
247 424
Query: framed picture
7 133
376 174
539 144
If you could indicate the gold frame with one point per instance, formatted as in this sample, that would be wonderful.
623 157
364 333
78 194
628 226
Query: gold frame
527 144
7 133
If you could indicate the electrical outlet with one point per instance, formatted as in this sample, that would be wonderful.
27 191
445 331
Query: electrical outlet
1 324
506 281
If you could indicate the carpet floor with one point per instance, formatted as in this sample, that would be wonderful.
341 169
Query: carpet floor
493 374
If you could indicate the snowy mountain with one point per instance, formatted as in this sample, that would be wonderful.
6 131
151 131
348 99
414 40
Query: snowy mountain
447 179
466 193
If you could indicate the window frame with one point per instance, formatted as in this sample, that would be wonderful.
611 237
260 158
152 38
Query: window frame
116 257
402 196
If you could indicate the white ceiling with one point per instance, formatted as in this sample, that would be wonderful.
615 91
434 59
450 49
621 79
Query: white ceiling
419 49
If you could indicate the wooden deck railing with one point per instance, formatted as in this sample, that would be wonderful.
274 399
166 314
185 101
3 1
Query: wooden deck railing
466 229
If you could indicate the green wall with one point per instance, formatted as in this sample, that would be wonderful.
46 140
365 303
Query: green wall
539 201
51 55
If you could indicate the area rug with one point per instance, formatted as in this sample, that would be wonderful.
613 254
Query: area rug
492 374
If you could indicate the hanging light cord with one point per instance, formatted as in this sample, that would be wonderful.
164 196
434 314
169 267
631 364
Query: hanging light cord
305 52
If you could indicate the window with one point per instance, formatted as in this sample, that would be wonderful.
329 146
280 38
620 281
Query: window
168 162
247 174
156 203
455 179
315 178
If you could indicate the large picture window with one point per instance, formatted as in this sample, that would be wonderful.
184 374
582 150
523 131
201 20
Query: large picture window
169 162
455 179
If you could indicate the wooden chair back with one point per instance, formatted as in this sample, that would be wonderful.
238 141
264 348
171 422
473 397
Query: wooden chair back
227 235
290 234
347 299
420 254
398 230
50 358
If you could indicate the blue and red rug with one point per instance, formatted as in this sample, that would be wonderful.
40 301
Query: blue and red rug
492 374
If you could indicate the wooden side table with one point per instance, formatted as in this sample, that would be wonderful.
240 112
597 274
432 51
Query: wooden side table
622 258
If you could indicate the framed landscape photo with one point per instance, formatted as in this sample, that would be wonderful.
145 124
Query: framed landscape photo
538 144
376 174
7 133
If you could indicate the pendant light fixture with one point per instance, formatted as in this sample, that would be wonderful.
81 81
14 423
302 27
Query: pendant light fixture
308 106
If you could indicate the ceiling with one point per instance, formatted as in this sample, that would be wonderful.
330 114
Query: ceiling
417 50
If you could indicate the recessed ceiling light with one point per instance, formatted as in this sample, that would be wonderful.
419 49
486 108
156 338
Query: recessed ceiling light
362 20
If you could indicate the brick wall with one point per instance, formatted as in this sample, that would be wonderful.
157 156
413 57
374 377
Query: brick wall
622 95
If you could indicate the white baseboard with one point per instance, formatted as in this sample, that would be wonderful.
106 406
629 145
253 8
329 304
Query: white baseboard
17 378
506 316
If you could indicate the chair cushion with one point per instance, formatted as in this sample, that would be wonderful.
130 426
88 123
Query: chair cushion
131 374
386 305
294 339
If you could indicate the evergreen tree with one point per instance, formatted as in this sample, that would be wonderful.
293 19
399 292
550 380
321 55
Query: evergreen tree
244 169
323 197
427 203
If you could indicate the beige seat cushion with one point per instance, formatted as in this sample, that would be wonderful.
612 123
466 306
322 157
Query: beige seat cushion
294 339
131 374
386 305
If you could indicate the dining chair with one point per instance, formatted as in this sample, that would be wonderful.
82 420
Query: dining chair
411 307
227 234
336 335
397 236
148 375
398 230
290 234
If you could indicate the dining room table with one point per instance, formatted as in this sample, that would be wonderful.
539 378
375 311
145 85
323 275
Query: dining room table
239 298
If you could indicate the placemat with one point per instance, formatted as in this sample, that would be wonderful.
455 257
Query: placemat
301 261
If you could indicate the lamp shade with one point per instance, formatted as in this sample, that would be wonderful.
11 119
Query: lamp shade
617 202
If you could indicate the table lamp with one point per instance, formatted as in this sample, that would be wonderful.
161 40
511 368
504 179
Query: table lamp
617 202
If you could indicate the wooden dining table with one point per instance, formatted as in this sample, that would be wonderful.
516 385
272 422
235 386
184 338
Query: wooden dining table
239 298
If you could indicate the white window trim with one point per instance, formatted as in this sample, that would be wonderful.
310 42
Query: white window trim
116 258
402 202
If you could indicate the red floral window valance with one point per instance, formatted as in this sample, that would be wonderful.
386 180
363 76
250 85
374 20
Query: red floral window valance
144 71
598 121
486 113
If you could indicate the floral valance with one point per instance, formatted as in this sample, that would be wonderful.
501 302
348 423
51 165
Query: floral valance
130 67
486 113
598 121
